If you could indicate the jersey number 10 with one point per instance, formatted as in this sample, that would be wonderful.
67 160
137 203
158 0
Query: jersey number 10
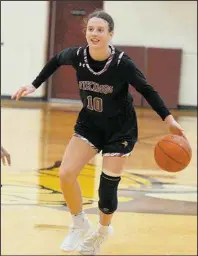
95 104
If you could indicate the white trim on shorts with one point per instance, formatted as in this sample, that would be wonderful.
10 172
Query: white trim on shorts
86 140
94 147
117 154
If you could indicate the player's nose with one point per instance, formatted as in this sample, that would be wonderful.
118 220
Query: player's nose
94 32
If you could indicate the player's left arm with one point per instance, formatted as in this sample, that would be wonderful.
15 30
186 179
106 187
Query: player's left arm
139 82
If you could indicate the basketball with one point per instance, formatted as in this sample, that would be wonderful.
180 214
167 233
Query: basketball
172 153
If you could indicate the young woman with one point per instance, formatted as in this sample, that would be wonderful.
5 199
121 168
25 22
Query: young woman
107 123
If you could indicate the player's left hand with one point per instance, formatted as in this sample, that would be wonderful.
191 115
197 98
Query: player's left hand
174 127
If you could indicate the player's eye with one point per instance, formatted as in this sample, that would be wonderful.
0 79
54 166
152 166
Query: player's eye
100 30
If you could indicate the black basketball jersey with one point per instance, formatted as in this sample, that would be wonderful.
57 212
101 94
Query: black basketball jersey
103 85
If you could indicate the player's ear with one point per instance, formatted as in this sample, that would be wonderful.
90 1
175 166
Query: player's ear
111 34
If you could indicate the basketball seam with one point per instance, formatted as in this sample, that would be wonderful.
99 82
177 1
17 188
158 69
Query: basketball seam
179 146
170 156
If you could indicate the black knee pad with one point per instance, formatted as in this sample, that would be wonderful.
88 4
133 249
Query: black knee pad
108 200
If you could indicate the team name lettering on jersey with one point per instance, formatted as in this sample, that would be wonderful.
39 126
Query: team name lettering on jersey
95 87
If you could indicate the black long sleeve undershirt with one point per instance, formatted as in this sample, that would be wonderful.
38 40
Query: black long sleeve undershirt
46 72
131 73
65 57
139 82
151 96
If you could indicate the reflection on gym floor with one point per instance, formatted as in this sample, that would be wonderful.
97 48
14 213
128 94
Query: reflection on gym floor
157 210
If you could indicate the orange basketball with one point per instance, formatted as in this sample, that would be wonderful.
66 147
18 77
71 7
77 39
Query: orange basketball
173 153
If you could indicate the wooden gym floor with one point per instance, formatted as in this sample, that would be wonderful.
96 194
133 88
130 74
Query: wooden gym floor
157 210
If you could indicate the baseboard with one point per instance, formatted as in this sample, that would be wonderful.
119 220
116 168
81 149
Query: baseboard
187 107
39 99
8 97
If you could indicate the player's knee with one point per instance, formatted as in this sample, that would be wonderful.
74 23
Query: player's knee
67 174
108 199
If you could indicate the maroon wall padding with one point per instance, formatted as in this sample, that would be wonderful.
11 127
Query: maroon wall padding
67 31
137 54
163 73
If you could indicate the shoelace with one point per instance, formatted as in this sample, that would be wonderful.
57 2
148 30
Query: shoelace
95 238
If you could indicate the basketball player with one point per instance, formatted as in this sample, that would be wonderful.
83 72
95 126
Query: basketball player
106 123
5 156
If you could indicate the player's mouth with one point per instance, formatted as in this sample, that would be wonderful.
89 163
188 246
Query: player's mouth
95 41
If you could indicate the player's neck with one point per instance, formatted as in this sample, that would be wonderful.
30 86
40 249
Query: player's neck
100 54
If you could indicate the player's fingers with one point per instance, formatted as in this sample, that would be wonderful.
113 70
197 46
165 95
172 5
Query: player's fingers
8 159
15 94
25 93
184 136
180 132
20 93
3 160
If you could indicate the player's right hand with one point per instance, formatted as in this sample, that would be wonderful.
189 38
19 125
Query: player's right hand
23 91
5 156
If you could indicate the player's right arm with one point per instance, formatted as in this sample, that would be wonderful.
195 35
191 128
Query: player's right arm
65 57
136 78
5 156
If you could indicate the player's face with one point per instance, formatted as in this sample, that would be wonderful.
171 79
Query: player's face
97 33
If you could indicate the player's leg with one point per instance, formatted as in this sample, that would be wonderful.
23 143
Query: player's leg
77 154
82 147
108 201
119 146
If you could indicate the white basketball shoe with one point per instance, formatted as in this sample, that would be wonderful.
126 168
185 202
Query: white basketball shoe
92 244
80 228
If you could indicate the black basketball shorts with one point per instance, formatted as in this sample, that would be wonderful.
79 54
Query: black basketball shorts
115 136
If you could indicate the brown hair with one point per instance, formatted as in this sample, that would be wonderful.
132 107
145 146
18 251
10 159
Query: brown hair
102 15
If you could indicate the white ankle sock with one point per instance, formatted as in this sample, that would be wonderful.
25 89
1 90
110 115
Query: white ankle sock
79 218
102 229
